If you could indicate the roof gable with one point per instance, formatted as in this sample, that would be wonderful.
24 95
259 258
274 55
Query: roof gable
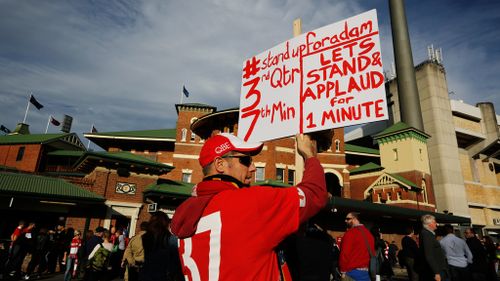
59 140
389 179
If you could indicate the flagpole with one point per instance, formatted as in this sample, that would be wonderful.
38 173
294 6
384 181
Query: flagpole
48 122
182 96
27 108
88 144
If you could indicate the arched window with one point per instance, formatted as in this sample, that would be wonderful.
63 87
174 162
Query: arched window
337 145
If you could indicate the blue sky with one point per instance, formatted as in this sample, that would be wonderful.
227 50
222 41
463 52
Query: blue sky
121 65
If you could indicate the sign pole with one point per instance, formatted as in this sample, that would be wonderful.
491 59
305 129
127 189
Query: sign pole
299 162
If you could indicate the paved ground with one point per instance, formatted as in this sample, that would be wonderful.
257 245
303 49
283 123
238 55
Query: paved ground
400 275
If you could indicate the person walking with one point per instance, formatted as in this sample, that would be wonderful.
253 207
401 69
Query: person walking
12 266
491 253
354 252
228 230
39 255
457 254
410 254
158 261
133 257
479 257
72 257
98 268
433 264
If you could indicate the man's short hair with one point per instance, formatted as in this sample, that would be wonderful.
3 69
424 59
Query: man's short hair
99 229
448 228
471 230
427 219
409 230
355 215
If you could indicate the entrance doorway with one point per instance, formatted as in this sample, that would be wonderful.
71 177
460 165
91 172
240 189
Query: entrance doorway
333 184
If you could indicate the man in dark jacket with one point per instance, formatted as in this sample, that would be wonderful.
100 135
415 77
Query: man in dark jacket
94 240
479 261
409 254
433 264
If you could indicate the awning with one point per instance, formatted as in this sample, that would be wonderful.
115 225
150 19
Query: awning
45 188
345 205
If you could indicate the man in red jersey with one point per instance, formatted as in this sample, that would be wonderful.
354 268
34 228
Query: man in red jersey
230 232
354 256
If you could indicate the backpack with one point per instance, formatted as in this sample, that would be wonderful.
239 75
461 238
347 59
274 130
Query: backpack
375 259
100 260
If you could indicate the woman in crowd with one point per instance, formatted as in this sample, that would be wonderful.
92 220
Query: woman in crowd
161 261
72 257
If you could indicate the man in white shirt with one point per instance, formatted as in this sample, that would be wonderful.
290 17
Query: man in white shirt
458 255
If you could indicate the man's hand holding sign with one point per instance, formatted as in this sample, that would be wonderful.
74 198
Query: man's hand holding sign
327 78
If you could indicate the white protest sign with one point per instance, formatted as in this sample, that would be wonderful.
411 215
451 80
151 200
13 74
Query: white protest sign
327 78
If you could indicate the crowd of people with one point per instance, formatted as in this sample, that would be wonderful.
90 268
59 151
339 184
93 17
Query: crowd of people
47 248
439 254
102 255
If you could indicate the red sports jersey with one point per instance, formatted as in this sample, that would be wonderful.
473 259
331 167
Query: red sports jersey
228 229
239 228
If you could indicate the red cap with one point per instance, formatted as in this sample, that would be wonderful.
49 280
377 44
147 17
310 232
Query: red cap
221 144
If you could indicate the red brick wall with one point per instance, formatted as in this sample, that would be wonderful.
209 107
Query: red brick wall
29 163
106 181
359 185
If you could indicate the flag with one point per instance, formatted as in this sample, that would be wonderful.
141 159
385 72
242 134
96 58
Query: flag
4 129
35 102
66 126
54 121
94 130
186 93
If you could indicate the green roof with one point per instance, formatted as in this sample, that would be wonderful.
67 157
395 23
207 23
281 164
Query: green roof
127 156
68 153
137 162
165 186
31 185
405 181
156 134
360 149
30 139
63 141
368 167
271 182
400 126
